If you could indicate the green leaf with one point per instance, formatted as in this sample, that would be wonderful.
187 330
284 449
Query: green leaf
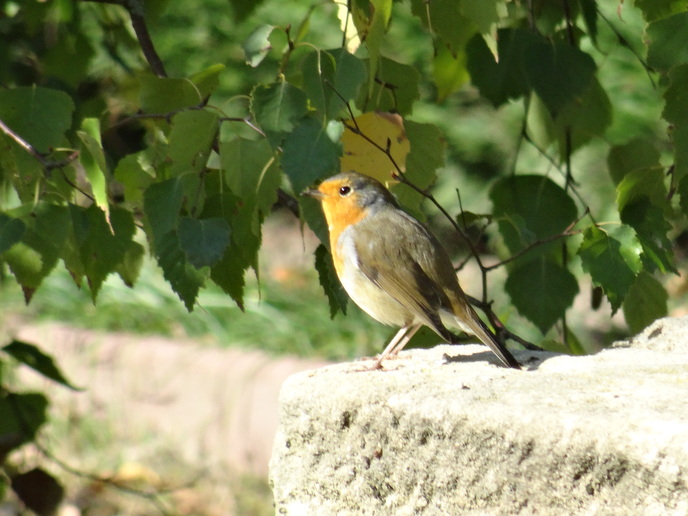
30 355
646 302
39 115
557 72
20 169
68 58
396 89
27 266
637 154
229 272
586 116
309 154
683 192
101 249
11 231
336 296
208 80
166 95
257 45
428 148
203 241
251 171
277 107
611 264
311 212
318 80
502 79
36 255
541 290
350 74
132 262
589 10
374 35
654 9
331 78
93 160
21 415
447 21
651 228
136 173
668 42
449 71
483 13
185 279
676 112
530 208
190 140
641 183
162 204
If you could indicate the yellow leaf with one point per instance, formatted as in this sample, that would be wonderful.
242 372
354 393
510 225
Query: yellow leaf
360 155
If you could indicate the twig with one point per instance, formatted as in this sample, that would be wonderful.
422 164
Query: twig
566 233
138 21
625 43
569 22
47 164
501 331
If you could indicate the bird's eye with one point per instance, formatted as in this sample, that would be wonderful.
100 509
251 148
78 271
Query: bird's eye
344 191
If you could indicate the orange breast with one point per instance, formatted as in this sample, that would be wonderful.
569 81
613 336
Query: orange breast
340 213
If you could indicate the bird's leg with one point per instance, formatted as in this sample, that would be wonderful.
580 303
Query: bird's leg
400 340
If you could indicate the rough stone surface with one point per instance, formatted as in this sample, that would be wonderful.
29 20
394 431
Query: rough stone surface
668 334
602 434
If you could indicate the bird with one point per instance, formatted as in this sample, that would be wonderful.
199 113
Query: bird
393 267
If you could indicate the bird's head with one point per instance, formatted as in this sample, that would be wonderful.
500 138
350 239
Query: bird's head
349 197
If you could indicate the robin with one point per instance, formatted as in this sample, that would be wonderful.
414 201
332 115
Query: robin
393 267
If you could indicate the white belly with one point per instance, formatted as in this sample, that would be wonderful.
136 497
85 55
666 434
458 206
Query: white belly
368 296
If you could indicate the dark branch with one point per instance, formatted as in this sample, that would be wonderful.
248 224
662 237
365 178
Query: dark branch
47 164
141 29
138 21
566 233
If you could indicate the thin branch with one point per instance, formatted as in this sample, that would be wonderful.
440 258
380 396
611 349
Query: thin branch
77 187
625 43
47 164
556 165
566 233
501 331
156 116
569 22
138 21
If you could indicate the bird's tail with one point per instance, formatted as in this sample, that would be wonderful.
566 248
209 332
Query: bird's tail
471 323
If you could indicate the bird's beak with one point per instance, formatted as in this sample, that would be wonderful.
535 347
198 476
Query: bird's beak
312 192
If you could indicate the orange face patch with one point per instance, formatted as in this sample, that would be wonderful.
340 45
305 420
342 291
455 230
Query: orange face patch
341 208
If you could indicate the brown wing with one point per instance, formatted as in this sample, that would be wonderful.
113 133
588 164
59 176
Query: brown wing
408 263
393 257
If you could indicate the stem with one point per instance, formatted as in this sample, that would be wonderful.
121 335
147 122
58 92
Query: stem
47 164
